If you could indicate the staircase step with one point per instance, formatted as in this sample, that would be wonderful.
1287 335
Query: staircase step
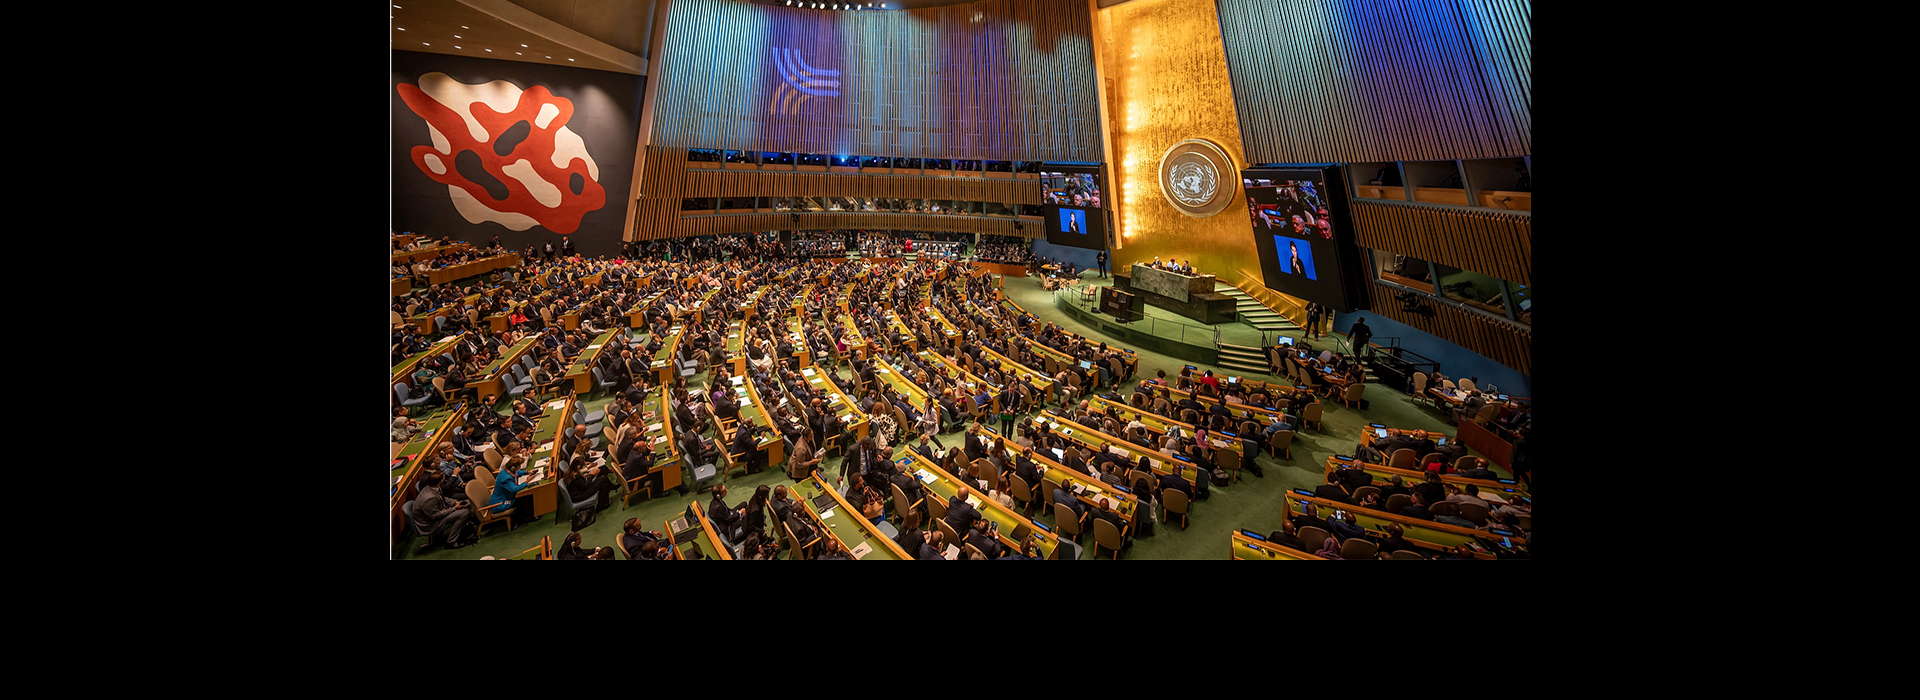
1250 367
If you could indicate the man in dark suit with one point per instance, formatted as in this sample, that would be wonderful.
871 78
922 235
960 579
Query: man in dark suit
1334 489
1074 462
931 550
1418 509
745 438
1176 482
976 448
1310 518
1479 471
434 513
1422 445
960 513
723 517
1104 511
1024 468
987 544
1286 536
724 407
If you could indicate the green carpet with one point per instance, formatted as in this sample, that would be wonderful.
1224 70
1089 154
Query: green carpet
1253 503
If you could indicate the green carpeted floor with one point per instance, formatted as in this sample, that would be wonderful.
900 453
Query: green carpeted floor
1253 503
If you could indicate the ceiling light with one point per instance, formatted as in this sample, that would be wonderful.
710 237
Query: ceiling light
569 59
456 36
456 47
549 57
425 44
397 7
516 53
523 46
489 50
463 26
401 28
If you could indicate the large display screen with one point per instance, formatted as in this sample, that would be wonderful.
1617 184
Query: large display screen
1072 204
1299 227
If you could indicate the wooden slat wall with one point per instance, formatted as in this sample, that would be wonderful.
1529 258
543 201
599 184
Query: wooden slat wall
841 221
663 183
1490 243
1501 342
721 183
996 80
1346 81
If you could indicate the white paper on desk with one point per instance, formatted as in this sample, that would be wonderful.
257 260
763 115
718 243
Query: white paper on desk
590 347
808 371
542 463
828 513
973 501
860 551
557 404
737 380
544 447
1116 450
952 553
655 426
660 440
659 363
885 372
924 476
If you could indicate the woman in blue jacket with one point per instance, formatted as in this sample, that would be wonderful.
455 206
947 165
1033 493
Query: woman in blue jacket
506 486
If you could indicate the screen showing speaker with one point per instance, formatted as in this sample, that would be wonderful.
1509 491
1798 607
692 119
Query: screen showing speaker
1073 205
1301 230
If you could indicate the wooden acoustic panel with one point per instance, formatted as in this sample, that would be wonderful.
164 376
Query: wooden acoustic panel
1500 341
1490 243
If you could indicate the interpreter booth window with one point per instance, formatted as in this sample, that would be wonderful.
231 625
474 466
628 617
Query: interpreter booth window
1472 288
1403 270
1522 295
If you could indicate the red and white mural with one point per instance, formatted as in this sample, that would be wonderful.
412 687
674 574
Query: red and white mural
549 178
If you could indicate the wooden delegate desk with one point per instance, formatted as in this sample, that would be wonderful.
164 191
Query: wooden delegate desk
545 491
403 372
844 408
1495 493
581 371
736 349
1158 424
424 321
492 381
841 522
637 316
402 286
482 266
413 256
570 319
898 328
1321 373
1002 269
1099 441
1489 445
749 306
797 334
965 377
667 459
937 483
419 451
1261 414
856 343
1245 548
1091 489
702 539
1038 380
890 375
954 336
753 410
1436 537
665 364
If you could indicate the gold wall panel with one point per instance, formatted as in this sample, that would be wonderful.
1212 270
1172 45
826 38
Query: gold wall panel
1166 69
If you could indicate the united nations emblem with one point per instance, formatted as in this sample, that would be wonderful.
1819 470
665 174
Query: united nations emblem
1190 175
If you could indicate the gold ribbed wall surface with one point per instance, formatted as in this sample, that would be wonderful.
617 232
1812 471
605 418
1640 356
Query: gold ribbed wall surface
1389 80
1489 243
996 79
1166 74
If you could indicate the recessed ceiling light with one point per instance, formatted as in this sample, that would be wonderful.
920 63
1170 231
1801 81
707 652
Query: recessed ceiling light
523 46
489 50
463 26
569 59
456 47
516 53
401 28
425 44
549 57
456 36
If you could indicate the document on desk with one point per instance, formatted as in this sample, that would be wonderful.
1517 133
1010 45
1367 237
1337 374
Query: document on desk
860 551
952 553
655 426
828 513
590 347
925 477
556 404
544 447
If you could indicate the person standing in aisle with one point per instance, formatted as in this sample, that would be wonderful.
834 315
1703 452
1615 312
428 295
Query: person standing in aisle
1102 261
1313 319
